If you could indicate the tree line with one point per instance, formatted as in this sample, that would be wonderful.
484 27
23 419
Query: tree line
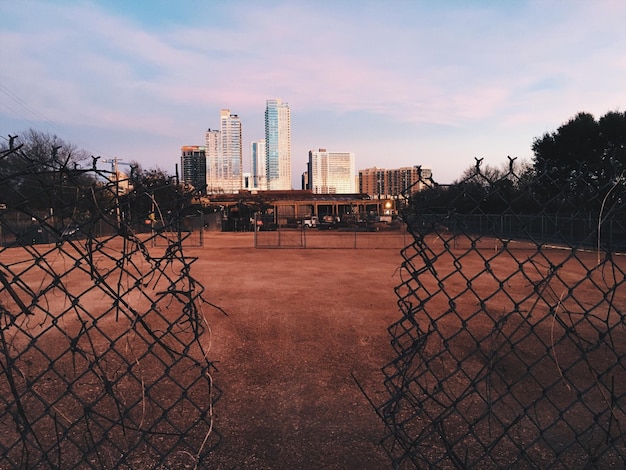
579 167
52 180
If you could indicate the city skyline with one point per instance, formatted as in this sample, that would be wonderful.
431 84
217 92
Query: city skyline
326 171
398 83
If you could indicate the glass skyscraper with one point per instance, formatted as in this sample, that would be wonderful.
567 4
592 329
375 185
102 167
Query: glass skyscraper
257 164
277 145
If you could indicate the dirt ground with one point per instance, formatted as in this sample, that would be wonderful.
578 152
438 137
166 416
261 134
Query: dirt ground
302 323
301 326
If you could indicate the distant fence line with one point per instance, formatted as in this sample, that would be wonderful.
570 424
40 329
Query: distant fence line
540 228
517 231
313 238
19 228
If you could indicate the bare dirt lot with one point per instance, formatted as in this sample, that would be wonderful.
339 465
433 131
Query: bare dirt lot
300 325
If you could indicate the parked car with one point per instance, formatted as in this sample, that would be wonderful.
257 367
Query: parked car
71 231
311 222
329 222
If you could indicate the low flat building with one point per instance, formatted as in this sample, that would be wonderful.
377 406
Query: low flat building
292 207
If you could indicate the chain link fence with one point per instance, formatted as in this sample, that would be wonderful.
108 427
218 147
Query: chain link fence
104 359
511 347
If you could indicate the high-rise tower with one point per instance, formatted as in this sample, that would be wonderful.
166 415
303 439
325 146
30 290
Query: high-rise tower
212 152
224 155
257 164
232 156
277 145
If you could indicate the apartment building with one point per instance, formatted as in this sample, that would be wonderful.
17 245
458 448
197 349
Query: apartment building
392 183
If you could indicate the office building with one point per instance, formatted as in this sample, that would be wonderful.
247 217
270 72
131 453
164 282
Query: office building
257 164
331 172
394 183
232 155
277 145
193 167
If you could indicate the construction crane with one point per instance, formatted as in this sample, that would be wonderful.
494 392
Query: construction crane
115 172
122 185
115 162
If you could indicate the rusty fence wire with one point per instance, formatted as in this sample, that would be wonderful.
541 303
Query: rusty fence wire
104 358
510 351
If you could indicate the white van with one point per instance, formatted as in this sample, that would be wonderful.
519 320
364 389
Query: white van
311 222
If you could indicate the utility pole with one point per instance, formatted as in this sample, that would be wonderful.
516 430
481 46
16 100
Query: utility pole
115 170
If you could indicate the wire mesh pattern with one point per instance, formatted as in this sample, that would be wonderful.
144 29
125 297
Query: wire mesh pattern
104 341
511 347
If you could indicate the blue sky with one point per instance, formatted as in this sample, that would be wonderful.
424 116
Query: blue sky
398 82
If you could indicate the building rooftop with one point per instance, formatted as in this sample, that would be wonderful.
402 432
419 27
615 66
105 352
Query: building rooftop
291 195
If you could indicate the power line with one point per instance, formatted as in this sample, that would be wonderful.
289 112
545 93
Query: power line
26 106
37 114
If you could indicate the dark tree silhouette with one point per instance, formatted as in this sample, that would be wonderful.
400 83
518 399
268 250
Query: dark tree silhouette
39 170
584 146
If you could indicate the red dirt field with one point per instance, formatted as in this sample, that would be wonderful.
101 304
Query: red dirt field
300 325
303 324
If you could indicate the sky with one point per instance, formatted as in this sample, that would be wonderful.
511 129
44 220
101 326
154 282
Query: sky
397 82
